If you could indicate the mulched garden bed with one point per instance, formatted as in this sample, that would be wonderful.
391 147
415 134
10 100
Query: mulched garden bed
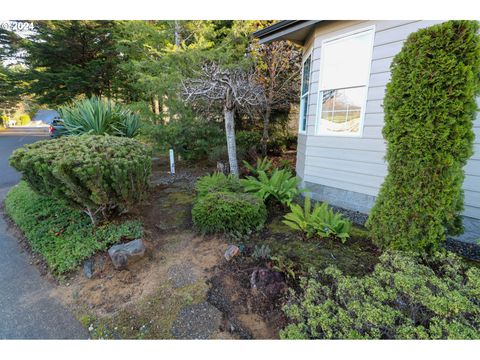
185 273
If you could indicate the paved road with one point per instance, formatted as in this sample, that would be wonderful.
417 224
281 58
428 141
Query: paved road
26 309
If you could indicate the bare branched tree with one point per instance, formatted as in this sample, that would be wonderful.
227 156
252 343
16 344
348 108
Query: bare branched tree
233 88
277 67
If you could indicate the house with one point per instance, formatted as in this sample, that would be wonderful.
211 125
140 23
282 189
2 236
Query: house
346 66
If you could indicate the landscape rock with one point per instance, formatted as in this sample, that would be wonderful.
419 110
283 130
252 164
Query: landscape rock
124 254
88 268
231 251
268 282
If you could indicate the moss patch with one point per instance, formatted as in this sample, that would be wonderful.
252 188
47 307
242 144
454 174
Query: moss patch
357 256
178 198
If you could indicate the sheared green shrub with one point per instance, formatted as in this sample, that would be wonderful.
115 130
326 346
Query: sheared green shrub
97 116
63 236
280 185
321 221
404 298
226 212
94 173
217 182
429 111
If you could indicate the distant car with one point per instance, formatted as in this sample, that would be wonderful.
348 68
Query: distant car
57 128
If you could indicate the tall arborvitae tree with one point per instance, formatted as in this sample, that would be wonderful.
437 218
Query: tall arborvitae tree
429 112
71 58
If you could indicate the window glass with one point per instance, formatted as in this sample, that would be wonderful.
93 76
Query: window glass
346 62
304 95
342 109
306 76
345 69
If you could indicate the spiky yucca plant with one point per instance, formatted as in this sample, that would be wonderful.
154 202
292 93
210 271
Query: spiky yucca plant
97 116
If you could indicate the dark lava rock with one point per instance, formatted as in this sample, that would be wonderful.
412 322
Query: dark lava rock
270 283
199 321
124 254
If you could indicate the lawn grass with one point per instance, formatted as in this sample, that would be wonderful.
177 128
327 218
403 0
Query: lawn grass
63 236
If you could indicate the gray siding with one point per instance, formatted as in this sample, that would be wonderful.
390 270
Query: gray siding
356 164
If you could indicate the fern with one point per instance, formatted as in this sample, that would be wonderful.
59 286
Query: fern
301 218
321 221
281 185
264 165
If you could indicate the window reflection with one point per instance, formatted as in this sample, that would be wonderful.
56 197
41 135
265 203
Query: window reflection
342 109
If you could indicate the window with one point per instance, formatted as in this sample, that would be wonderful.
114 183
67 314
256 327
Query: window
304 94
344 72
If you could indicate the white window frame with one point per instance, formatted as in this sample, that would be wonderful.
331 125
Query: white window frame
318 116
307 55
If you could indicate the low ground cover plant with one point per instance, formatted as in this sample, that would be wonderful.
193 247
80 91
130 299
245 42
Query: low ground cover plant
321 220
100 175
63 236
99 116
280 185
404 298
217 182
228 212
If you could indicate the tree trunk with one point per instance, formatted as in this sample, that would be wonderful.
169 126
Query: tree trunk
266 125
266 115
228 111
177 34
156 105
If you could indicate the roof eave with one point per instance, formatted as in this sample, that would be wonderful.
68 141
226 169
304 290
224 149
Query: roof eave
293 30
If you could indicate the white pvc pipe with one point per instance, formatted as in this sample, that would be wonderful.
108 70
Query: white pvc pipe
172 162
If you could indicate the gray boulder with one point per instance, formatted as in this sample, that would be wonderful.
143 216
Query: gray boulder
88 268
124 254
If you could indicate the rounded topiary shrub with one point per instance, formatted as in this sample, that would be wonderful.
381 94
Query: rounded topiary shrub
429 112
404 298
227 212
98 174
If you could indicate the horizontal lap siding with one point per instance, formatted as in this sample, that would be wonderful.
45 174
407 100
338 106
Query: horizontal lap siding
300 166
471 185
357 164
